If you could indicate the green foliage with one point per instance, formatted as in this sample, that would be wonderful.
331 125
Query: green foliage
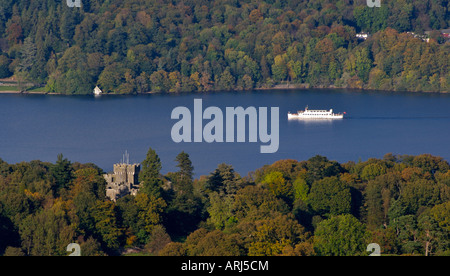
220 210
289 208
46 233
149 210
319 167
106 226
218 45
301 189
62 173
184 210
88 187
273 236
329 197
186 169
278 185
4 67
340 236
215 243
372 170
224 180
149 176
441 214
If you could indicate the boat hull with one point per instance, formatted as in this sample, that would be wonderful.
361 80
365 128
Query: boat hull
308 117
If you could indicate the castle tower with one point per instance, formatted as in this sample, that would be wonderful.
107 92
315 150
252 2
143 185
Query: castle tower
128 174
124 180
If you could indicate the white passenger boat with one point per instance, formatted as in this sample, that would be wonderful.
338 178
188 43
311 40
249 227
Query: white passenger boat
315 114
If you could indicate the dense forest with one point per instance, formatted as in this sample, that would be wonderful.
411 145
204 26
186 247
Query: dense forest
138 46
309 208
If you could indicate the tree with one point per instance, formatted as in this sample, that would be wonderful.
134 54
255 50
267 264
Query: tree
280 68
184 210
215 243
4 67
254 202
62 173
46 233
158 240
224 180
341 235
301 189
363 64
274 235
15 33
226 81
319 167
290 169
267 243
149 215
246 82
441 214
27 60
433 238
7 231
372 170
330 196
13 252
278 185
149 177
111 77
91 247
173 249
431 164
186 172
421 193
380 194
220 210
160 81
407 232
88 187
106 225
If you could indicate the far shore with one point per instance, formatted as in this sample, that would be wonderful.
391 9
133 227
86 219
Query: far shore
28 93
276 87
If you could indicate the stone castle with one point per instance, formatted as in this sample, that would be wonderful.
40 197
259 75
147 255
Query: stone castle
123 181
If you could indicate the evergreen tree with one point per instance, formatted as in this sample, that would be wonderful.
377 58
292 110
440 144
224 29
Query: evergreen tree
149 177
184 211
62 173
186 172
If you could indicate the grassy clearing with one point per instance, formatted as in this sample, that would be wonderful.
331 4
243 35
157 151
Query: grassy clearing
9 88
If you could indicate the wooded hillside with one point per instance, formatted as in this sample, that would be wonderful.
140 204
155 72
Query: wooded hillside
290 208
138 46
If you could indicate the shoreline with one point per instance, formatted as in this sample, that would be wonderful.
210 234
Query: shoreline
28 93
276 87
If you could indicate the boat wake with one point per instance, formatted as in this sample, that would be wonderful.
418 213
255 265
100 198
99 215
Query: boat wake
398 118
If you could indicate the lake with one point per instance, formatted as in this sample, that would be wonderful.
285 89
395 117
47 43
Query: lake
99 130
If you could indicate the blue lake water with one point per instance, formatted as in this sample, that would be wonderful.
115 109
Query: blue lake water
99 130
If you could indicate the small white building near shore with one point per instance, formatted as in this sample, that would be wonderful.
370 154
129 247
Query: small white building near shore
97 91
